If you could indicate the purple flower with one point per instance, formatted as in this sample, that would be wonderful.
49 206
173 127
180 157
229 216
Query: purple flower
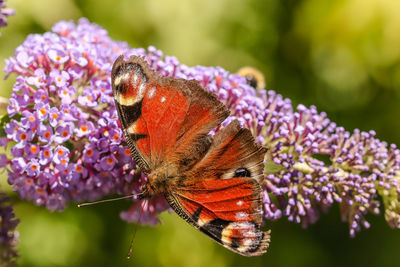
45 155
59 56
84 128
23 137
45 133
64 132
60 78
39 79
90 154
144 211
33 168
66 94
41 96
107 163
4 13
23 58
3 161
13 108
89 97
61 155
54 116
311 163
31 151
8 235
42 110
11 129
29 120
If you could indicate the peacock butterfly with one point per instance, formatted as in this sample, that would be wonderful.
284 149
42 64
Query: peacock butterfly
211 182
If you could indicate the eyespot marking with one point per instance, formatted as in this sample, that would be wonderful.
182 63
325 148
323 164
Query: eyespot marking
242 172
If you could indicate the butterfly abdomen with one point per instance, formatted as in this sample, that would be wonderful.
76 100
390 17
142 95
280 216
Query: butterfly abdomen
162 180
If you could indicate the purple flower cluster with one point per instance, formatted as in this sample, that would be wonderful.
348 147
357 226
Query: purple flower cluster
64 126
8 236
67 140
357 168
311 163
4 13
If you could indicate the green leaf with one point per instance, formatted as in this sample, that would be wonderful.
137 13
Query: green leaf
3 121
271 167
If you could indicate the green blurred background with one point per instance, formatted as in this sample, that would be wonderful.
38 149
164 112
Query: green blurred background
342 56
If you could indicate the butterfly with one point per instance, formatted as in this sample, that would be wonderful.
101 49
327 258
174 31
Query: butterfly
212 182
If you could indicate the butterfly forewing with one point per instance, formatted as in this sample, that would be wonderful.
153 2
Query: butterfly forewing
162 116
129 82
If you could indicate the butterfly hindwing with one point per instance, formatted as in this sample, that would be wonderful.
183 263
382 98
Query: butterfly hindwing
223 196
230 222
163 117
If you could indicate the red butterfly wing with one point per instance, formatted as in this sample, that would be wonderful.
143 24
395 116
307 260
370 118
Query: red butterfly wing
161 116
224 199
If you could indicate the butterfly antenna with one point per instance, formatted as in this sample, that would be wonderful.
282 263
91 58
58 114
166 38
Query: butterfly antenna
109 200
128 256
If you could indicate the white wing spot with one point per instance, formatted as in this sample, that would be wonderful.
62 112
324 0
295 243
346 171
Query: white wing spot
118 80
239 203
247 243
241 215
125 76
162 99
201 222
142 88
152 92
132 128
135 78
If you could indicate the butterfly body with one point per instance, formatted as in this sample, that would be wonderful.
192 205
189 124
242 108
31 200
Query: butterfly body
211 182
